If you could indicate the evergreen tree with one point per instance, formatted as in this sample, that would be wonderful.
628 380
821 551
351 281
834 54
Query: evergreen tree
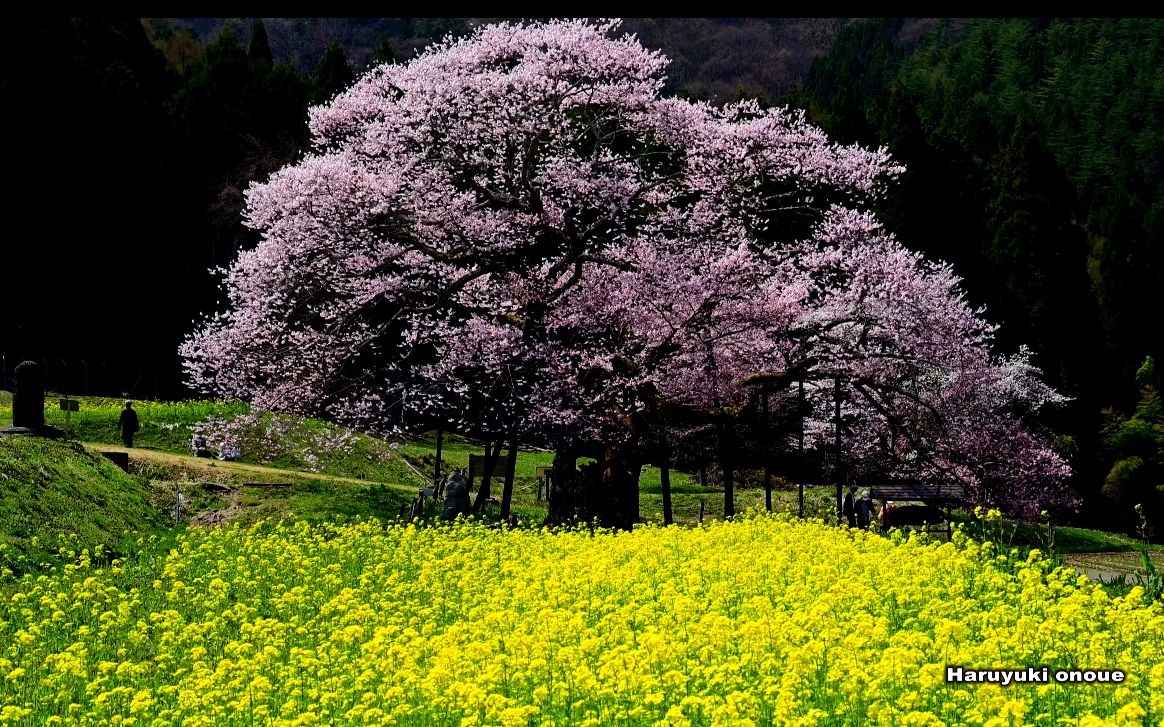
242 119
1037 256
211 103
383 52
1136 447
332 75
259 50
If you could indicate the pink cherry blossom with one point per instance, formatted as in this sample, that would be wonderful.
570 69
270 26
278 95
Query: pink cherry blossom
517 233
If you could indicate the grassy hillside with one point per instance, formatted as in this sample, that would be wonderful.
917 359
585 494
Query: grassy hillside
216 492
165 425
323 471
312 446
59 495
278 440
55 494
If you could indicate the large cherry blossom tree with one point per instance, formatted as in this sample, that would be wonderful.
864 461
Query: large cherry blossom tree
515 234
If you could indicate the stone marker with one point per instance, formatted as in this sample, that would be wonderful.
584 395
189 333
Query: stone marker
28 397
28 404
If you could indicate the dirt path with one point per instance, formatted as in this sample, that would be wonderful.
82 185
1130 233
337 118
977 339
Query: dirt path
211 467
1111 567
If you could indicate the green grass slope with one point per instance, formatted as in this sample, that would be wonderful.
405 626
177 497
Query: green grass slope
278 440
215 492
56 495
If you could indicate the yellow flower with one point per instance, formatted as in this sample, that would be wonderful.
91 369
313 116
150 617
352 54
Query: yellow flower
1130 714
762 620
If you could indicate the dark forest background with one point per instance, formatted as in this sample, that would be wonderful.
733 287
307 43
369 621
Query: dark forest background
1034 147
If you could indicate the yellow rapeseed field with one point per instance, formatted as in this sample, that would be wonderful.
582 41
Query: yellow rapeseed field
760 621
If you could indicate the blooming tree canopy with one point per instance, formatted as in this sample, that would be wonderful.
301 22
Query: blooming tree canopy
517 232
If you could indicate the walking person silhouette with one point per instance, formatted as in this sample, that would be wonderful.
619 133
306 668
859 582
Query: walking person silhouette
128 424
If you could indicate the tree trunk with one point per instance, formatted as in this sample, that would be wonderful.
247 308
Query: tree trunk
726 460
619 505
665 478
510 469
606 491
491 456
562 499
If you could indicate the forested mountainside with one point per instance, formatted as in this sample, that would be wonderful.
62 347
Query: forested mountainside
717 58
1034 151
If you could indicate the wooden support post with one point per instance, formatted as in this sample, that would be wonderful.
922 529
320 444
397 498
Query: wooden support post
544 475
436 471
767 445
702 505
665 479
839 474
800 449
727 463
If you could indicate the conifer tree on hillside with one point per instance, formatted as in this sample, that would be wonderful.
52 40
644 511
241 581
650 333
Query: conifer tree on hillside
332 75
259 48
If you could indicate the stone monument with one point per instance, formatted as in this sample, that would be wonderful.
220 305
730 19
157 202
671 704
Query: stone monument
28 396
28 403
